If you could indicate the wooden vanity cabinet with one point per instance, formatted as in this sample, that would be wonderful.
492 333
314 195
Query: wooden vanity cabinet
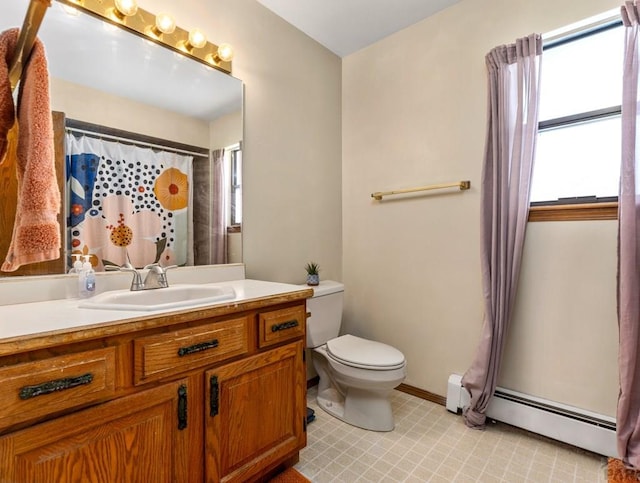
255 413
137 438
196 397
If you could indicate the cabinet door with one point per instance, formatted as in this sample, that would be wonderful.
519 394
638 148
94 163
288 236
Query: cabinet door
255 414
139 438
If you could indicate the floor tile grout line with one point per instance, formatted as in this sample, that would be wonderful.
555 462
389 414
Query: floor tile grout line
424 457
415 417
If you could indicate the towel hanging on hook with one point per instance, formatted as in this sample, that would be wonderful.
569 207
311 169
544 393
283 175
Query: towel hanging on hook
36 230
30 26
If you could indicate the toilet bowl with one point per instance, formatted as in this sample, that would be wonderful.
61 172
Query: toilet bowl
356 374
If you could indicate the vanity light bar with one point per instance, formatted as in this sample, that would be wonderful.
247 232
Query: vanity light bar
142 23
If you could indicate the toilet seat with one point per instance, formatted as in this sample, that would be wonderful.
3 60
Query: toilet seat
364 354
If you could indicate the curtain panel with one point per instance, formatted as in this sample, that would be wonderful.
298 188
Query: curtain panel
628 411
219 236
512 126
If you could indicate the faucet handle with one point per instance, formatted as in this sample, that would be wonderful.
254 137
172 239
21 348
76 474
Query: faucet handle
136 283
159 268
126 267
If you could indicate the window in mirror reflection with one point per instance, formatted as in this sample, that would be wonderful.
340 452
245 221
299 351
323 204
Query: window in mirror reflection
235 186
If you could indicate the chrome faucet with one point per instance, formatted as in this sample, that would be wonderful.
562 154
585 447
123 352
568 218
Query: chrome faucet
156 276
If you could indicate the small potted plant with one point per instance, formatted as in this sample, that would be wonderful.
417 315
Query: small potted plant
313 278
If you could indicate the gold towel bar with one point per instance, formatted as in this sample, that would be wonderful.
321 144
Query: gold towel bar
463 185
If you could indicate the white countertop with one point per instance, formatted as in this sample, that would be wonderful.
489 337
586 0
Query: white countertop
35 318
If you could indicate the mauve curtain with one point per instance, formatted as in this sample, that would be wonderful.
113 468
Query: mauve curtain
219 228
512 124
628 414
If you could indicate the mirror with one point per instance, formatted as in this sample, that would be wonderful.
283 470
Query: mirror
106 76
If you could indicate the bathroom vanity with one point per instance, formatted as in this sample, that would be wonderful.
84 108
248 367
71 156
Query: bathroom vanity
208 393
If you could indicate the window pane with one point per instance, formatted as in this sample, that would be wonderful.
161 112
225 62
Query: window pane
583 75
578 160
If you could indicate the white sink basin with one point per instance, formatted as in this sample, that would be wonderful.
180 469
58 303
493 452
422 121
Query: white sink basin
159 299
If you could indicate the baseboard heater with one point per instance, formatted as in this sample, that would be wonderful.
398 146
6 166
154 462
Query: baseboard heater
575 426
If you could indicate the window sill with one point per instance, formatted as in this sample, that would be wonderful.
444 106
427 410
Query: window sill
234 229
577 212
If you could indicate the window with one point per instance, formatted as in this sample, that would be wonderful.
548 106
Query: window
578 151
235 187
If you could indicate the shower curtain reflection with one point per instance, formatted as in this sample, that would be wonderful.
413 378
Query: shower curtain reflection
128 203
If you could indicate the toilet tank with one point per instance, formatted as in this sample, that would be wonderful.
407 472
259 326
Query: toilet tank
326 312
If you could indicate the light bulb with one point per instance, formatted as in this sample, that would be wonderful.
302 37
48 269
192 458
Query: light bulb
165 23
197 39
126 7
73 11
225 52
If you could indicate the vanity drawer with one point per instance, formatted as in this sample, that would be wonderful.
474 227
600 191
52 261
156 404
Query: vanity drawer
34 389
281 325
158 356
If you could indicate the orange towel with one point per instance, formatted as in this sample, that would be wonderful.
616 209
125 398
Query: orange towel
36 231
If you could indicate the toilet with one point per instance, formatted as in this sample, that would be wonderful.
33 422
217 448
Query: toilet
356 374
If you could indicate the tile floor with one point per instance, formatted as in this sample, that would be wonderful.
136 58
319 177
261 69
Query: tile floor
429 444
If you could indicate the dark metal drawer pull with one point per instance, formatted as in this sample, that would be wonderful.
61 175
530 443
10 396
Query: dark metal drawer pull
182 407
27 392
285 325
202 346
214 394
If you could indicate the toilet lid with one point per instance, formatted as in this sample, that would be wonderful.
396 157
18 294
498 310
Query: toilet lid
357 352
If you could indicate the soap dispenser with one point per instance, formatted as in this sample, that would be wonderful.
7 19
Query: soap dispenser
86 279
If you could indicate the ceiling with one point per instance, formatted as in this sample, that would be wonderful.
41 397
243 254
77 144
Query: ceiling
346 26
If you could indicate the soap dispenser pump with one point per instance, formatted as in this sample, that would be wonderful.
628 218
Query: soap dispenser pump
77 264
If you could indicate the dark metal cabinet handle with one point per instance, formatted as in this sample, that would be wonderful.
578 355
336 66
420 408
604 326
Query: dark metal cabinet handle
202 346
27 392
214 394
182 407
285 325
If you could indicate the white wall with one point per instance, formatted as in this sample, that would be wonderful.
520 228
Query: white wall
292 144
414 108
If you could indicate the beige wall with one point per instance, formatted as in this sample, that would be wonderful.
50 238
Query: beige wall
226 130
84 104
414 113
563 342
292 145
